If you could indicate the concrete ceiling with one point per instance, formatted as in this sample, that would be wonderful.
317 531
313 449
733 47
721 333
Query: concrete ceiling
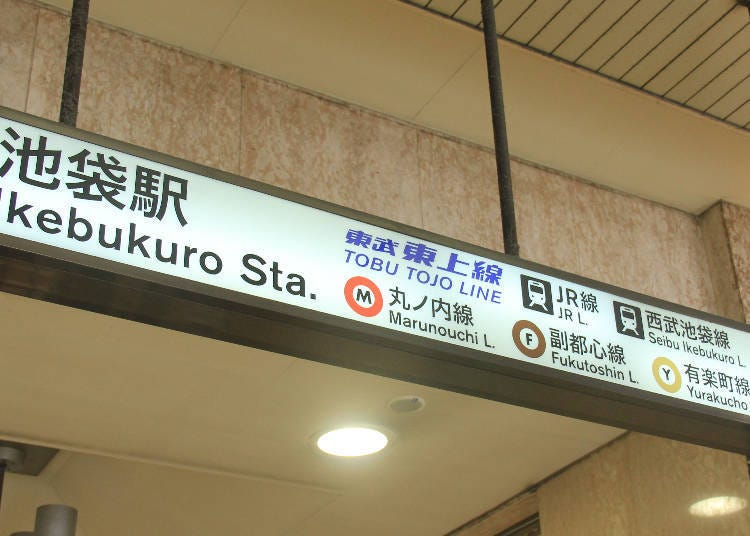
695 53
166 433
426 68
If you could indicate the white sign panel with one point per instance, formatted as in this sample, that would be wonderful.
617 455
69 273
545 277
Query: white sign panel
97 201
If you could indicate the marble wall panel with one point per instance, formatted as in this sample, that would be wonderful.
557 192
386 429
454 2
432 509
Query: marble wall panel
16 51
48 67
546 209
669 476
161 98
618 239
329 150
643 486
143 93
607 236
459 191
721 264
737 220
681 261
575 502
121 93
201 110
642 246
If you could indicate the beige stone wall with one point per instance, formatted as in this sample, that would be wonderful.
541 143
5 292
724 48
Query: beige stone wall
726 232
164 99
737 221
643 486
721 263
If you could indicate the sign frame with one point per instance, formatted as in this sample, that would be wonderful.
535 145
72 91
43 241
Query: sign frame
73 279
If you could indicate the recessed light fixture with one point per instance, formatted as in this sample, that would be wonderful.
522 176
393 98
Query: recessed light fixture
352 442
407 404
718 506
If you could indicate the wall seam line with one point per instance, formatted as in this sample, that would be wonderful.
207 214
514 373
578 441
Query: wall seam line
732 258
33 59
242 122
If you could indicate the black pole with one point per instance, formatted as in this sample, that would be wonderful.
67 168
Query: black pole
502 159
3 467
74 63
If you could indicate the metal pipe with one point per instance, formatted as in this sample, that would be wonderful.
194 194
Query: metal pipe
3 468
79 16
55 520
502 158
11 458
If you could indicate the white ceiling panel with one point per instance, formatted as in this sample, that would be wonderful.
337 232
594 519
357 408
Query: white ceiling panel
533 20
741 116
682 31
685 61
227 433
732 99
122 498
397 57
584 33
721 84
188 25
647 38
727 54
470 12
507 12
618 33
445 6
563 27
341 49
669 48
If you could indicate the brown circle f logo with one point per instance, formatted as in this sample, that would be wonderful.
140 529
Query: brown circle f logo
529 339
363 296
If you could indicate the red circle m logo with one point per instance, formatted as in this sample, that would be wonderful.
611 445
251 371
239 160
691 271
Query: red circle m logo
363 296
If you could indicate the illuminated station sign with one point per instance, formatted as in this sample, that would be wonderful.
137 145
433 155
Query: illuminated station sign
97 203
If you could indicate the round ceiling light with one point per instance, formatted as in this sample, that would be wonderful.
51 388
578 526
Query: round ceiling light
717 506
352 442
